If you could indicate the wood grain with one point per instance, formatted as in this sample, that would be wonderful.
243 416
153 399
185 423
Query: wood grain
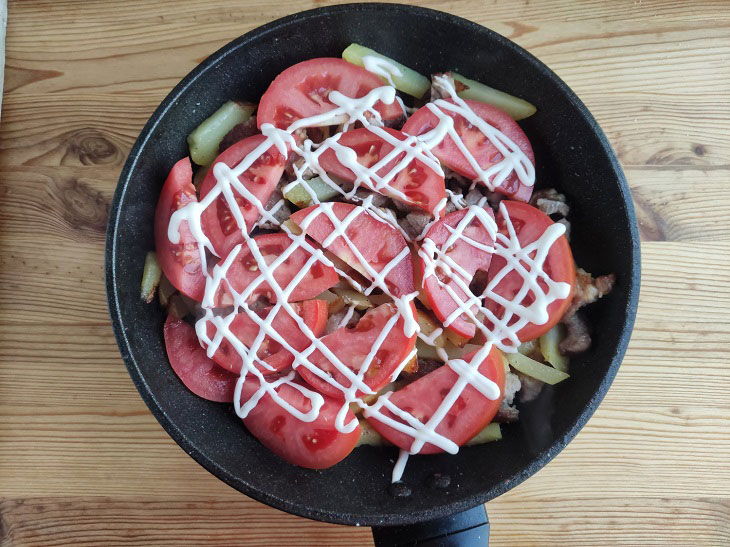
83 462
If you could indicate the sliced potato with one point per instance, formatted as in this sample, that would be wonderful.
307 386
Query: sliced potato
353 298
517 108
334 302
425 351
536 370
455 338
368 435
164 291
206 138
403 78
292 226
429 325
493 432
150 277
550 348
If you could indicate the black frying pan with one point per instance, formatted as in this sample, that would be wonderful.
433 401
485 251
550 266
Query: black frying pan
572 154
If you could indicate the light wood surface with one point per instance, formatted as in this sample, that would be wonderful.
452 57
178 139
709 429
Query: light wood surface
83 462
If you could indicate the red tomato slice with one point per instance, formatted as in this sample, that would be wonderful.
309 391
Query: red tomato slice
191 364
466 255
314 314
180 263
471 412
378 242
245 270
315 445
352 346
302 91
529 224
422 186
484 152
260 179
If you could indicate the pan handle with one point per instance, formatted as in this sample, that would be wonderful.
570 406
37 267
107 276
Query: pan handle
468 528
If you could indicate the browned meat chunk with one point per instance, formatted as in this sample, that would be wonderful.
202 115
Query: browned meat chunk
239 132
507 411
588 289
531 388
578 337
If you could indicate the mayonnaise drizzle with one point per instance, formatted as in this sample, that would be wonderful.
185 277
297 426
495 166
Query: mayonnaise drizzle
526 261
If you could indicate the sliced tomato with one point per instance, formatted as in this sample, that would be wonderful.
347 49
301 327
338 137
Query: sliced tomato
469 414
179 262
529 225
352 346
480 147
315 444
422 186
260 179
302 91
467 256
314 314
191 364
377 242
244 270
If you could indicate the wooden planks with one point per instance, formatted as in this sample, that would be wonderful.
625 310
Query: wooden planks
78 448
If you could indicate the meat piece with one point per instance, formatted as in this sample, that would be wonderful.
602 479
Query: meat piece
404 207
457 183
588 289
379 200
423 367
395 123
531 388
438 91
550 194
578 336
238 133
298 161
338 320
507 411
551 207
414 224
475 197
279 208
550 202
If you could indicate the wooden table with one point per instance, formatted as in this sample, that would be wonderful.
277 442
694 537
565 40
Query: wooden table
82 460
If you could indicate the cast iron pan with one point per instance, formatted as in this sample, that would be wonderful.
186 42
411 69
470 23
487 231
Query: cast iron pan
572 154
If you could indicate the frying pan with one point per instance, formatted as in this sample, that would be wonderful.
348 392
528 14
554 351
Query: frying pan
572 154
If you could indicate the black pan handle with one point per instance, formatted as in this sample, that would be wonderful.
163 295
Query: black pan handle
467 529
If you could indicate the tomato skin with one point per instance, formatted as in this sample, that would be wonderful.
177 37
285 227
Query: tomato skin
530 224
302 91
351 346
378 242
471 412
179 262
465 255
315 445
481 148
244 271
194 368
426 193
314 314
260 179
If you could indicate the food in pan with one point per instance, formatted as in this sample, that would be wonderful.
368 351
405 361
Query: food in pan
362 258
